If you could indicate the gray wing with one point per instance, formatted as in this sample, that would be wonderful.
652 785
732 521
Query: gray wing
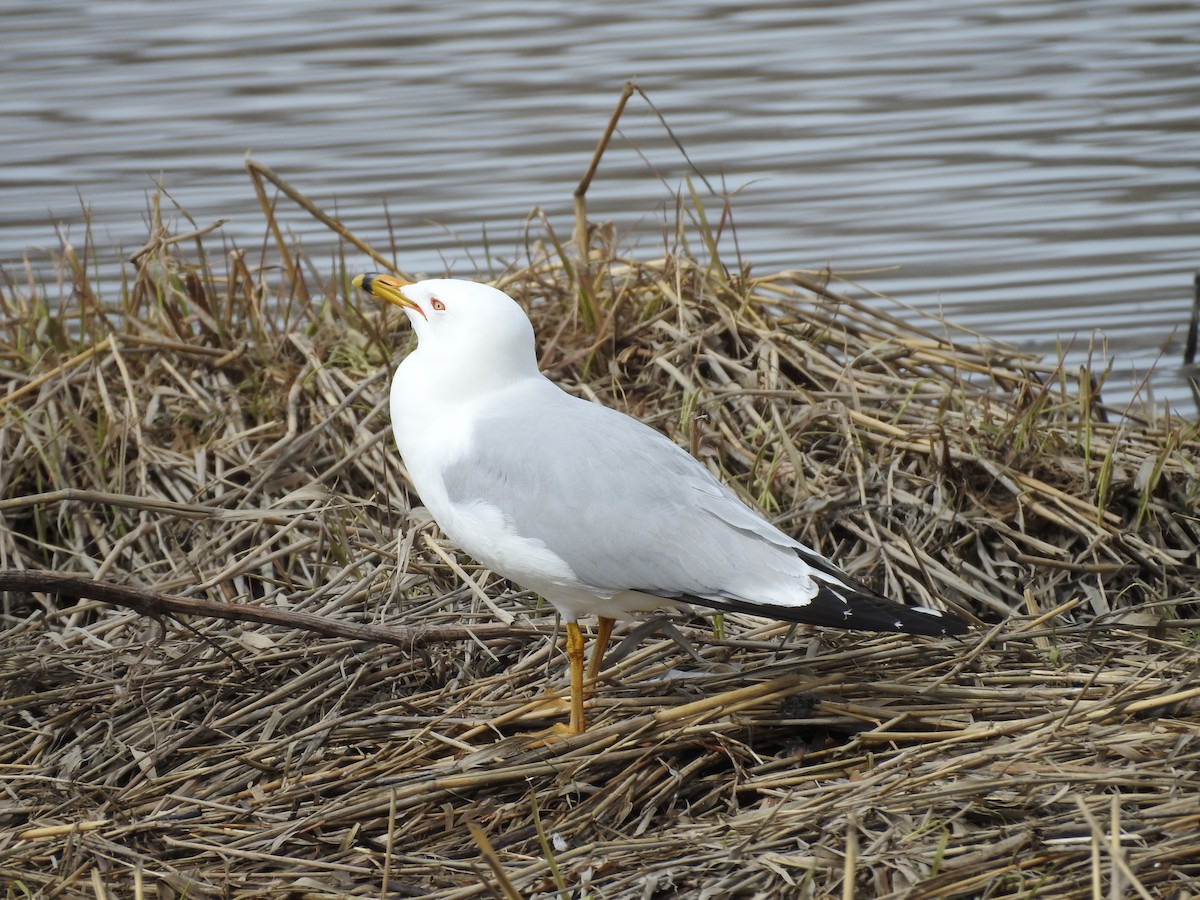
623 506
627 509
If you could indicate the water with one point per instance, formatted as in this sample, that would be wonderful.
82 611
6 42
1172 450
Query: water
1031 172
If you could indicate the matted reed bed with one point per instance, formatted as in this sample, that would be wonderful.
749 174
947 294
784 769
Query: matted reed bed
263 673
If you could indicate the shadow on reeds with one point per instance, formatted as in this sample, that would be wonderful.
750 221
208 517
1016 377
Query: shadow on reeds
217 431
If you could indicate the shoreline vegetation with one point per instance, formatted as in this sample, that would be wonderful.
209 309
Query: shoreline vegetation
289 684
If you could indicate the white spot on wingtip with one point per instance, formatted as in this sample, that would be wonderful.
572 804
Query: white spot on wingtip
898 624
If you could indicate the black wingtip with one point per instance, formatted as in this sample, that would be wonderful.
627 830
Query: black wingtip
841 596
841 601
862 609
851 611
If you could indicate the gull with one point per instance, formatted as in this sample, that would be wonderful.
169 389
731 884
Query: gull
588 507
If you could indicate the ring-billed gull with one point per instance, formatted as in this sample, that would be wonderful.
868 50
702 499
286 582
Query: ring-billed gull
597 512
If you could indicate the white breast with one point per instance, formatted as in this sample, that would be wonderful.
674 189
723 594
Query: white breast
432 437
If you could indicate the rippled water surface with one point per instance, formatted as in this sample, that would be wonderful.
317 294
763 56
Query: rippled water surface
1030 171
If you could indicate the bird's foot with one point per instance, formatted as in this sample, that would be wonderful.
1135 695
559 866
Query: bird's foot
559 731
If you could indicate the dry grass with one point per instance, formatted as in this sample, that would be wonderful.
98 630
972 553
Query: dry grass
219 431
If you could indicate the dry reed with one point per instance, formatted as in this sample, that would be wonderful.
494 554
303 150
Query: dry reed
218 433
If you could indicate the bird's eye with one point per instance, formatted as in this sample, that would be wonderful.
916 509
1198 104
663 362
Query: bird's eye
437 304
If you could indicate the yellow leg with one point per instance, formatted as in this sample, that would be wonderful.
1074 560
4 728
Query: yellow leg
575 659
603 633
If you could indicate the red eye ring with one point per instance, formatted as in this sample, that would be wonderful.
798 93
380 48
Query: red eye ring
437 304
